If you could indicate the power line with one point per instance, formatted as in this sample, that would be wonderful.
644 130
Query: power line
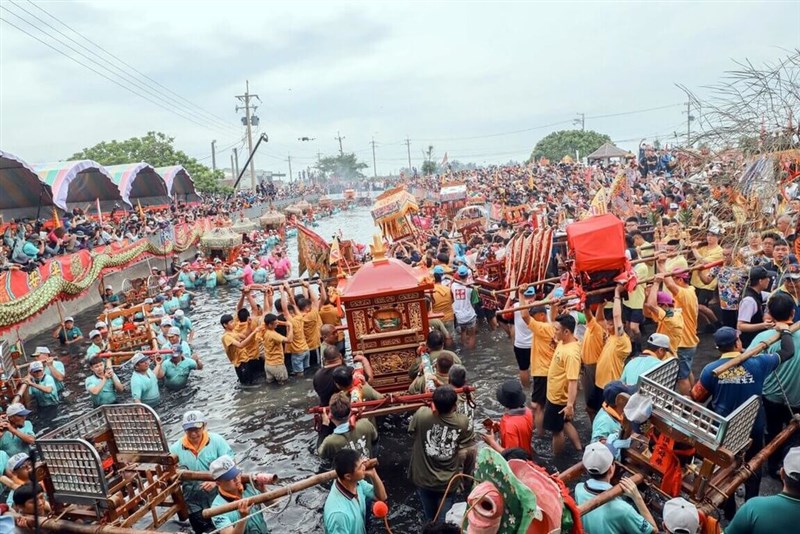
200 109
179 114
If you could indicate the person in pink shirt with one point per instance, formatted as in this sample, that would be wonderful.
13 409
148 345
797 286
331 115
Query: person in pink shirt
282 267
247 272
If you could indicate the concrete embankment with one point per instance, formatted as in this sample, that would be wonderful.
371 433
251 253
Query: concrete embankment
50 317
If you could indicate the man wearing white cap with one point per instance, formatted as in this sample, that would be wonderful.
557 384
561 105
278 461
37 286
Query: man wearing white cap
680 517
18 435
144 382
97 345
20 467
184 297
182 322
52 367
43 390
171 304
231 488
186 276
110 297
776 514
195 451
102 327
174 340
161 336
178 367
617 516
68 333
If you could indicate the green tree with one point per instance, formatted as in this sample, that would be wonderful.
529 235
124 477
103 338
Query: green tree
158 150
565 142
345 167
429 166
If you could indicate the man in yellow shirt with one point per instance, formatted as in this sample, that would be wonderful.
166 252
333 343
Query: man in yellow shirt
312 322
615 351
562 385
443 302
708 253
297 348
686 301
660 307
542 347
272 343
633 306
593 341
235 348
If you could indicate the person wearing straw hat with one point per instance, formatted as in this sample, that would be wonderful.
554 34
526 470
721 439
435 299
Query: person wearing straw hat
616 516
103 384
247 518
68 334
195 450
776 513
18 435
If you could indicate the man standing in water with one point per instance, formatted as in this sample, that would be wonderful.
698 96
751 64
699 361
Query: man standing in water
235 348
562 385
144 382
231 488
346 506
195 451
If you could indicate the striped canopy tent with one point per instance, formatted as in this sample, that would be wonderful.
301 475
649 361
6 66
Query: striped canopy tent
139 183
79 184
179 183
24 194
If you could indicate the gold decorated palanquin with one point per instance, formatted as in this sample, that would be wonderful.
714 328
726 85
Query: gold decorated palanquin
392 212
387 317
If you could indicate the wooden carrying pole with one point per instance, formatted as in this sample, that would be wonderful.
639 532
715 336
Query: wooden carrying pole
278 493
205 476
754 351
606 496
600 291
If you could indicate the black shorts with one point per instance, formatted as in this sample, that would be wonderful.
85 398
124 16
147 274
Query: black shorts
594 399
629 315
251 371
553 420
523 357
539 390
704 296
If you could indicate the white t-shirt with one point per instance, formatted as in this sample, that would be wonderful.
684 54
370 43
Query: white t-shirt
523 337
462 302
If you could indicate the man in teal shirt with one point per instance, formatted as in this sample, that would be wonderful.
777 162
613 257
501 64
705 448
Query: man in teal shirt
144 382
68 333
52 367
177 368
608 420
616 516
346 506
18 435
171 304
229 484
195 451
43 389
777 513
210 277
186 276
103 384
174 338
97 344
184 297
184 324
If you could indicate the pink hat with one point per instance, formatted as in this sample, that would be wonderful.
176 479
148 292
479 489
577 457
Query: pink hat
679 272
664 298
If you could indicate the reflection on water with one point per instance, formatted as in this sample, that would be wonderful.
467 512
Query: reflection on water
269 427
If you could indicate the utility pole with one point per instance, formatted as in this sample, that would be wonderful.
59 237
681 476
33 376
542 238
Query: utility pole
581 121
236 158
213 155
339 137
408 146
374 165
233 168
249 118
290 167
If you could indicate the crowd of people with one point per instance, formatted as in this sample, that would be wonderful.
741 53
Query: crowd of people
677 211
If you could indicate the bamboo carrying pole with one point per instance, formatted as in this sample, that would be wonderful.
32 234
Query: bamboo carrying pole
600 291
278 493
606 496
754 351
205 476
132 352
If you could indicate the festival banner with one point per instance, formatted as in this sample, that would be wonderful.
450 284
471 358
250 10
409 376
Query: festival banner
24 295
312 253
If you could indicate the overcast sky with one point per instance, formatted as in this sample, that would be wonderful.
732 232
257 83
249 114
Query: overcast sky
451 74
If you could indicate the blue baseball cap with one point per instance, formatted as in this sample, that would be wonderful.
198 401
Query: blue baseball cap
463 271
725 336
438 270
530 292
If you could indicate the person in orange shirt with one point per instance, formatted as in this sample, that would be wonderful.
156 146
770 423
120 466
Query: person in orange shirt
660 307
593 341
542 349
686 301
615 351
